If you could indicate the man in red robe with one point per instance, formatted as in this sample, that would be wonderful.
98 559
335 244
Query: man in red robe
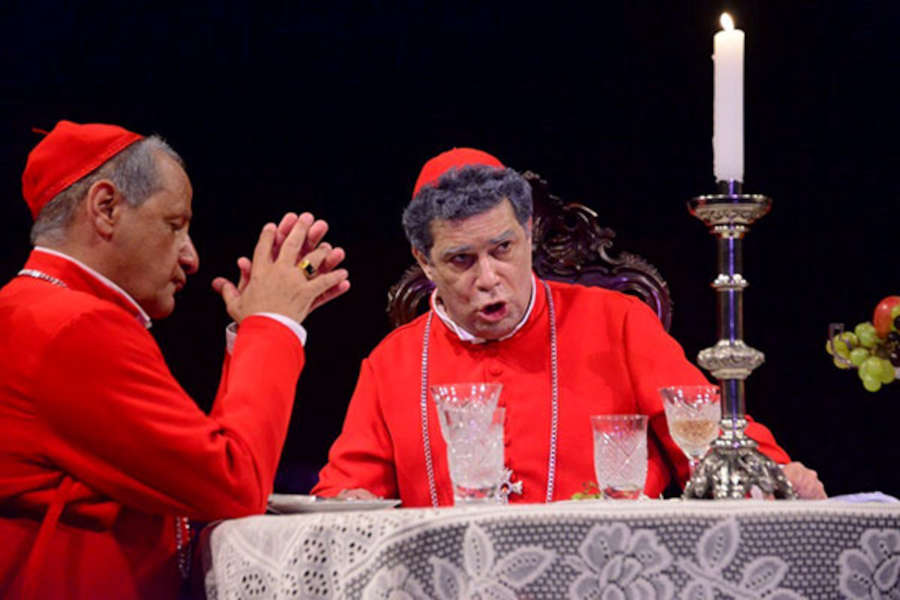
562 353
104 457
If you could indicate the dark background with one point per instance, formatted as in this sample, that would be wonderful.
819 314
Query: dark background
279 106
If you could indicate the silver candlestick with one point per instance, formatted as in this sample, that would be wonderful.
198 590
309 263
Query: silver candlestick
733 465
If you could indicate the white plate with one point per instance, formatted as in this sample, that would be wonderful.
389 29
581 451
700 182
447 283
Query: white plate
299 503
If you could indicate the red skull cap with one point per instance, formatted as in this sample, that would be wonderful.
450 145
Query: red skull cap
66 154
452 159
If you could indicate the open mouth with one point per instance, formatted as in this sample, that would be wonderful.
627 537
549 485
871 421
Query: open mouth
494 311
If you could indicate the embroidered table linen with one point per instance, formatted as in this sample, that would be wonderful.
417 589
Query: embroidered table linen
582 549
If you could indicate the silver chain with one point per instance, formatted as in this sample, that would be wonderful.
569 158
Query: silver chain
554 383
182 524
429 465
554 378
42 276
182 527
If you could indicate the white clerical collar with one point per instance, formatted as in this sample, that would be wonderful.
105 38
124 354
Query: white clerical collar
142 315
464 335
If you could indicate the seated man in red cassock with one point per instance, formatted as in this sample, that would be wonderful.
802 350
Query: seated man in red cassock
562 352
103 456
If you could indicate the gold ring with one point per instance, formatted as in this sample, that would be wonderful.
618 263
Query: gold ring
309 271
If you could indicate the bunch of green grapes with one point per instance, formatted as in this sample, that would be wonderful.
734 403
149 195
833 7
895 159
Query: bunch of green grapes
874 357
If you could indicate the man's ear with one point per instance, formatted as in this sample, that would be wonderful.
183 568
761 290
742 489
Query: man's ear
423 262
104 207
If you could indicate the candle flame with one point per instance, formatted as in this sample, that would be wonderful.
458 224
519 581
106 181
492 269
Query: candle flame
726 21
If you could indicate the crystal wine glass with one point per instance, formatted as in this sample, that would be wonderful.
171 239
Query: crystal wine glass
693 413
472 426
620 454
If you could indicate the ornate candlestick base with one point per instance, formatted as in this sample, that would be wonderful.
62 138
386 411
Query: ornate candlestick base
733 465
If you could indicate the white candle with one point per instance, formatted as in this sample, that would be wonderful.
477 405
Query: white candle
728 102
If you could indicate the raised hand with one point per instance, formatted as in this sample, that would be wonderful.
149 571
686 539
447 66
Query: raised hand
316 232
272 282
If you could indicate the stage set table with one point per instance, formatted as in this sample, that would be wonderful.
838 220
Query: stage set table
648 549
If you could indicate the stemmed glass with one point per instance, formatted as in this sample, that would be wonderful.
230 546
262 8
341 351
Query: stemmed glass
693 413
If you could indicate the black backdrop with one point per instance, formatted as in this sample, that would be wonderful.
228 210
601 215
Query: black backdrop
332 108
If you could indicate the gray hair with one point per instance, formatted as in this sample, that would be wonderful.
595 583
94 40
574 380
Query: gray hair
134 173
461 193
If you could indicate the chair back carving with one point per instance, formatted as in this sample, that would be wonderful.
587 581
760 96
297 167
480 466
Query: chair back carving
568 244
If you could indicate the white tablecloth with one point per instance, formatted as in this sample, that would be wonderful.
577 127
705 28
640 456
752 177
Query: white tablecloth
585 549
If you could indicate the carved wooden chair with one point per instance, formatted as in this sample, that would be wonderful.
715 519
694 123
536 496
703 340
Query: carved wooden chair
568 244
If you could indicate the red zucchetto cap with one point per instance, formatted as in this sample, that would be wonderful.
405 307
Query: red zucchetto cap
66 154
453 159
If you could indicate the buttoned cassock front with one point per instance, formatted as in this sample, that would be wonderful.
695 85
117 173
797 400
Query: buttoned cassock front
614 355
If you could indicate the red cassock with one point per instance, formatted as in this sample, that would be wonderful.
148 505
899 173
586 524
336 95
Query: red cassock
101 448
613 356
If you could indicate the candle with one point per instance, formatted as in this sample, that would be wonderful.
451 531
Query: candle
728 102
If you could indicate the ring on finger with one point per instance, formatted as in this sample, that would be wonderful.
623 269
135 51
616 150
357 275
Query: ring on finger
309 271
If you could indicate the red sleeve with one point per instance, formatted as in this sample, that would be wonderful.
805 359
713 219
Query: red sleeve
121 424
363 455
656 360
